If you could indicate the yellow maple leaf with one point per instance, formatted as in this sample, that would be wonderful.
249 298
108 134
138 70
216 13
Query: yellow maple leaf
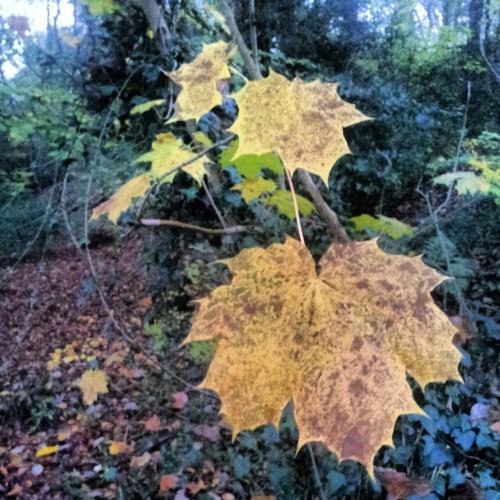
338 344
122 199
200 82
168 152
252 188
92 383
302 122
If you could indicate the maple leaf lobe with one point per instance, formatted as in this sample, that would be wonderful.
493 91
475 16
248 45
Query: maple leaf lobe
338 344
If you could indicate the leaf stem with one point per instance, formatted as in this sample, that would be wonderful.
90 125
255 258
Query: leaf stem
316 472
295 205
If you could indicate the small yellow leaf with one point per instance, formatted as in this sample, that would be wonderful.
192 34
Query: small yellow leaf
120 447
92 383
199 81
47 450
146 106
254 187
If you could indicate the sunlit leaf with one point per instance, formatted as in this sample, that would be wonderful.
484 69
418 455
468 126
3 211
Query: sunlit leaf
382 224
100 7
337 343
466 182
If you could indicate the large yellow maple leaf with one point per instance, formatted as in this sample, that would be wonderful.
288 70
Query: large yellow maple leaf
200 80
302 122
338 344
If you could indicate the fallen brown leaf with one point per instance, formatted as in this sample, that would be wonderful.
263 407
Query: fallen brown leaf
399 485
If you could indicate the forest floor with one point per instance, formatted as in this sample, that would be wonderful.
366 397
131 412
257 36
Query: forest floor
54 328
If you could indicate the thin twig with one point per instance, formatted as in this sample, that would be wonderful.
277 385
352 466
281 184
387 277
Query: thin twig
463 132
295 206
193 227
178 167
483 53
316 473
237 72
214 206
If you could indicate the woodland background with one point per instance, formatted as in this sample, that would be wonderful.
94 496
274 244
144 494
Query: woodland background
427 72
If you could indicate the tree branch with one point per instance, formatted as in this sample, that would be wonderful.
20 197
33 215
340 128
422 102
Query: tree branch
193 227
324 210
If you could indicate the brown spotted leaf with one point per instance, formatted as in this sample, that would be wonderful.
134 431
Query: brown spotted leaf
200 81
337 343
302 122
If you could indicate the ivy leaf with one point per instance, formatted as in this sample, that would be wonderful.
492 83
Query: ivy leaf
200 81
122 199
254 187
283 201
302 122
92 383
337 343
167 152
382 224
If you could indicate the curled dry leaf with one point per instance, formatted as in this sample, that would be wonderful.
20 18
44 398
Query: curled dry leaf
399 485
179 400
141 461
337 343
168 482
152 424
